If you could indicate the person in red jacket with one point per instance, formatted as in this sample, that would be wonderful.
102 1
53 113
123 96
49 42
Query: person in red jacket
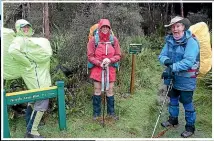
103 54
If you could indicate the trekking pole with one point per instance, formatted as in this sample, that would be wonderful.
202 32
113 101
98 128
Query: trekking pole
104 105
169 88
104 92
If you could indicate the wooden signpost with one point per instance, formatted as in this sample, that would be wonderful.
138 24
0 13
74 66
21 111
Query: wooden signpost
134 49
34 95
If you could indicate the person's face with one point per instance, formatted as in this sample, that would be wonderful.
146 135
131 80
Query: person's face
26 29
105 29
177 29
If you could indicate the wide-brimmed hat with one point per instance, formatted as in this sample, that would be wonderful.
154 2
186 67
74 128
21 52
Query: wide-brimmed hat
179 19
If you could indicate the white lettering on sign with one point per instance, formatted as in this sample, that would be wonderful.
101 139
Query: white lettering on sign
32 97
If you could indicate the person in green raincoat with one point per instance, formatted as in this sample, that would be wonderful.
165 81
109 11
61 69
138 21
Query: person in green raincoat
29 58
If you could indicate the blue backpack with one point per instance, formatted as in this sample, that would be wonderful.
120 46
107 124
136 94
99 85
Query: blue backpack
97 41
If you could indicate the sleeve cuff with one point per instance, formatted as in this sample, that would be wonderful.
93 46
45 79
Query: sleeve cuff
112 60
98 63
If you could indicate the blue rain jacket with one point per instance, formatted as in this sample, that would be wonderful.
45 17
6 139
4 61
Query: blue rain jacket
185 56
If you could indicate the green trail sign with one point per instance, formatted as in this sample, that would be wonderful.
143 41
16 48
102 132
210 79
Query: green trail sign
135 48
32 96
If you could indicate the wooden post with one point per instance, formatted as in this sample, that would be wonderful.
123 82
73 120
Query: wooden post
133 74
134 49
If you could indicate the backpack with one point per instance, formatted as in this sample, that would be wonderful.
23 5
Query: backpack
201 32
9 64
94 32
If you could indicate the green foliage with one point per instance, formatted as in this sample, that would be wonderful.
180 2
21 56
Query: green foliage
75 99
75 94
156 42
146 62
58 39
207 80
14 85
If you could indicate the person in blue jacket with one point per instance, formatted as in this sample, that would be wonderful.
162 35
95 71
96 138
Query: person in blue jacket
180 55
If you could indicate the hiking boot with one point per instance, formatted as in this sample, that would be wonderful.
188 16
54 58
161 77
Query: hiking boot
96 118
172 121
186 134
113 116
189 131
29 135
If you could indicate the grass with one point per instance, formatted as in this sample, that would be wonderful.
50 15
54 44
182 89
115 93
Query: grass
137 112
130 125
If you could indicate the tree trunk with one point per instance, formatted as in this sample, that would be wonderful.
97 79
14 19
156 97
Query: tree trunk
151 18
28 9
182 9
172 10
24 12
166 15
46 28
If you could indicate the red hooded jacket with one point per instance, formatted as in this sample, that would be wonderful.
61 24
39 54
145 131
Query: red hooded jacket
97 54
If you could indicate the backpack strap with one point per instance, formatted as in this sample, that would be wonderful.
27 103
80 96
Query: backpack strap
95 32
193 72
97 40
185 44
112 40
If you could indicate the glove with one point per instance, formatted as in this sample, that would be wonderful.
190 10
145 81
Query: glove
168 62
167 73
105 62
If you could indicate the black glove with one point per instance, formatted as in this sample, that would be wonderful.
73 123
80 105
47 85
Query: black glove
168 62
167 73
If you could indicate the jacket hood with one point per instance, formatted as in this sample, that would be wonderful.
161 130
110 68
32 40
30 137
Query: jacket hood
104 37
103 22
21 23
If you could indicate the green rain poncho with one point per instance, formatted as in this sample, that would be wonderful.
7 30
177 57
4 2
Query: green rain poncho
27 57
